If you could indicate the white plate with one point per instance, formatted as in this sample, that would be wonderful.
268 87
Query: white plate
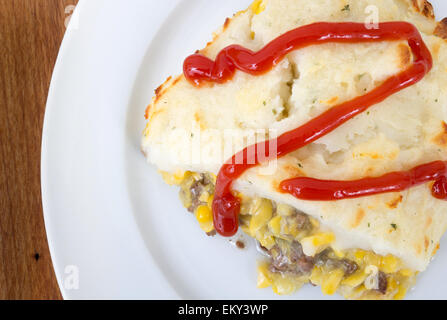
115 230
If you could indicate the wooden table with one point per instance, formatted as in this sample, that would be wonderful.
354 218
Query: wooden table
30 34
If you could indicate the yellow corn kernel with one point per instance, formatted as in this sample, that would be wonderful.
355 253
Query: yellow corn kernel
392 285
245 208
246 203
315 244
316 276
356 293
389 264
355 279
252 35
275 225
203 214
261 214
322 239
173 178
372 259
363 257
257 6
331 281
213 178
209 201
338 253
359 255
267 242
282 286
401 292
264 279
204 196
284 210
406 272
205 218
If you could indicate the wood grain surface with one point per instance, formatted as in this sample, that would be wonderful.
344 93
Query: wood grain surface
30 35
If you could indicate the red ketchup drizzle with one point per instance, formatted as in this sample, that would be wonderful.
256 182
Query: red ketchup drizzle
198 68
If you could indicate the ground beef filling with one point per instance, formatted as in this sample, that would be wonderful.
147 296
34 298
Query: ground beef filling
348 266
291 260
193 189
383 282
